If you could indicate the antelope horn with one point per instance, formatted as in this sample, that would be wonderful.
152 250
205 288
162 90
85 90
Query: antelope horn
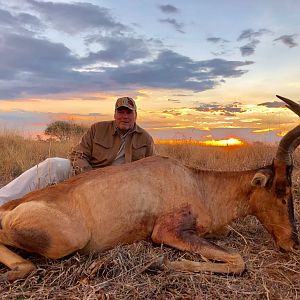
293 106
291 140
295 144
287 145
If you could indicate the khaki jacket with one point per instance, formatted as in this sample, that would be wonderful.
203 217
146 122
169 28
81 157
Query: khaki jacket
100 145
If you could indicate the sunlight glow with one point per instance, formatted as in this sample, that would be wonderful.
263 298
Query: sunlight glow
224 143
218 143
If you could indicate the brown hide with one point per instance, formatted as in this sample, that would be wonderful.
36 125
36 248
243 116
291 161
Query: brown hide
272 206
155 198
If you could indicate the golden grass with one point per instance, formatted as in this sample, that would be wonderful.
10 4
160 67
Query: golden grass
18 153
121 273
220 158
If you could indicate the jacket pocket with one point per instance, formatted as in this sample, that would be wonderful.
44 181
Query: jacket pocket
138 150
101 151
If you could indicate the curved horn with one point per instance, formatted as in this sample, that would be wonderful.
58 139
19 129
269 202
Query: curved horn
293 106
295 144
291 140
288 144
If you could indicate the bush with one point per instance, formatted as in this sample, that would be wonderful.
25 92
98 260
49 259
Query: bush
63 130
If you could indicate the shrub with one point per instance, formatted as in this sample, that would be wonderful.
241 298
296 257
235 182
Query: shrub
63 130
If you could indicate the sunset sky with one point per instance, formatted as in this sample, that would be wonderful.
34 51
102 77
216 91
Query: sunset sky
201 70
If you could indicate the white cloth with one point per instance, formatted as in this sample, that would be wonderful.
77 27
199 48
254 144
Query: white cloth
50 171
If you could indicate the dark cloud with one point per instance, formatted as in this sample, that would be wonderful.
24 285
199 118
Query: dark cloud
221 43
6 17
19 23
178 26
216 40
168 9
228 109
253 38
172 70
223 68
273 104
172 112
36 66
28 55
288 40
250 34
174 100
29 20
249 48
77 17
117 49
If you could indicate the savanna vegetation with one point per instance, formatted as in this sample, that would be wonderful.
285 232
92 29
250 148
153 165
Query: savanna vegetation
122 273
63 130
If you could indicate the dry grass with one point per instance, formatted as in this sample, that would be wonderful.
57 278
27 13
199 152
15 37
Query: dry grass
121 273
220 158
18 154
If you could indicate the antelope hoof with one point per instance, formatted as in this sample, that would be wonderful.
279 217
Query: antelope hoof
19 272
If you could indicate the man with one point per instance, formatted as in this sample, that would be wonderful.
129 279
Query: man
105 143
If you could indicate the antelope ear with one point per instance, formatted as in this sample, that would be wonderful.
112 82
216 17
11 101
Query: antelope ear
260 179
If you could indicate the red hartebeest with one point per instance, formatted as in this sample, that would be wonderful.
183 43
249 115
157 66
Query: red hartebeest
157 198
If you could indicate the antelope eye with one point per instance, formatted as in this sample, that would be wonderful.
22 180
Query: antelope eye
283 201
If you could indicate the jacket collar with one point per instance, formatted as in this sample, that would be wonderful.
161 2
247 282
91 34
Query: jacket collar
136 128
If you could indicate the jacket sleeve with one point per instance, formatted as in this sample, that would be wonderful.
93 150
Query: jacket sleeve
150 147
81 154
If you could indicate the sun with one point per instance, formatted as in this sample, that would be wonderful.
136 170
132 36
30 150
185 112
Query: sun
224 143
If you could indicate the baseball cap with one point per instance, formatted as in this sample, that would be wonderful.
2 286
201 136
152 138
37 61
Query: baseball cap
125 102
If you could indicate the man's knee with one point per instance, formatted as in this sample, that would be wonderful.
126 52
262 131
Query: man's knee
58 167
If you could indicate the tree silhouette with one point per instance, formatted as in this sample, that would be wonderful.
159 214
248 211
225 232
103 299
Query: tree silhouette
64 130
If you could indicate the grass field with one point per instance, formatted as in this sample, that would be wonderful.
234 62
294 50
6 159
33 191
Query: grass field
122 273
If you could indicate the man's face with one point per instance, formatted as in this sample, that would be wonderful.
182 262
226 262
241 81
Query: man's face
125 118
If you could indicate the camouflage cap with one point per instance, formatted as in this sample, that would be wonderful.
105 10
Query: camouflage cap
125 102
